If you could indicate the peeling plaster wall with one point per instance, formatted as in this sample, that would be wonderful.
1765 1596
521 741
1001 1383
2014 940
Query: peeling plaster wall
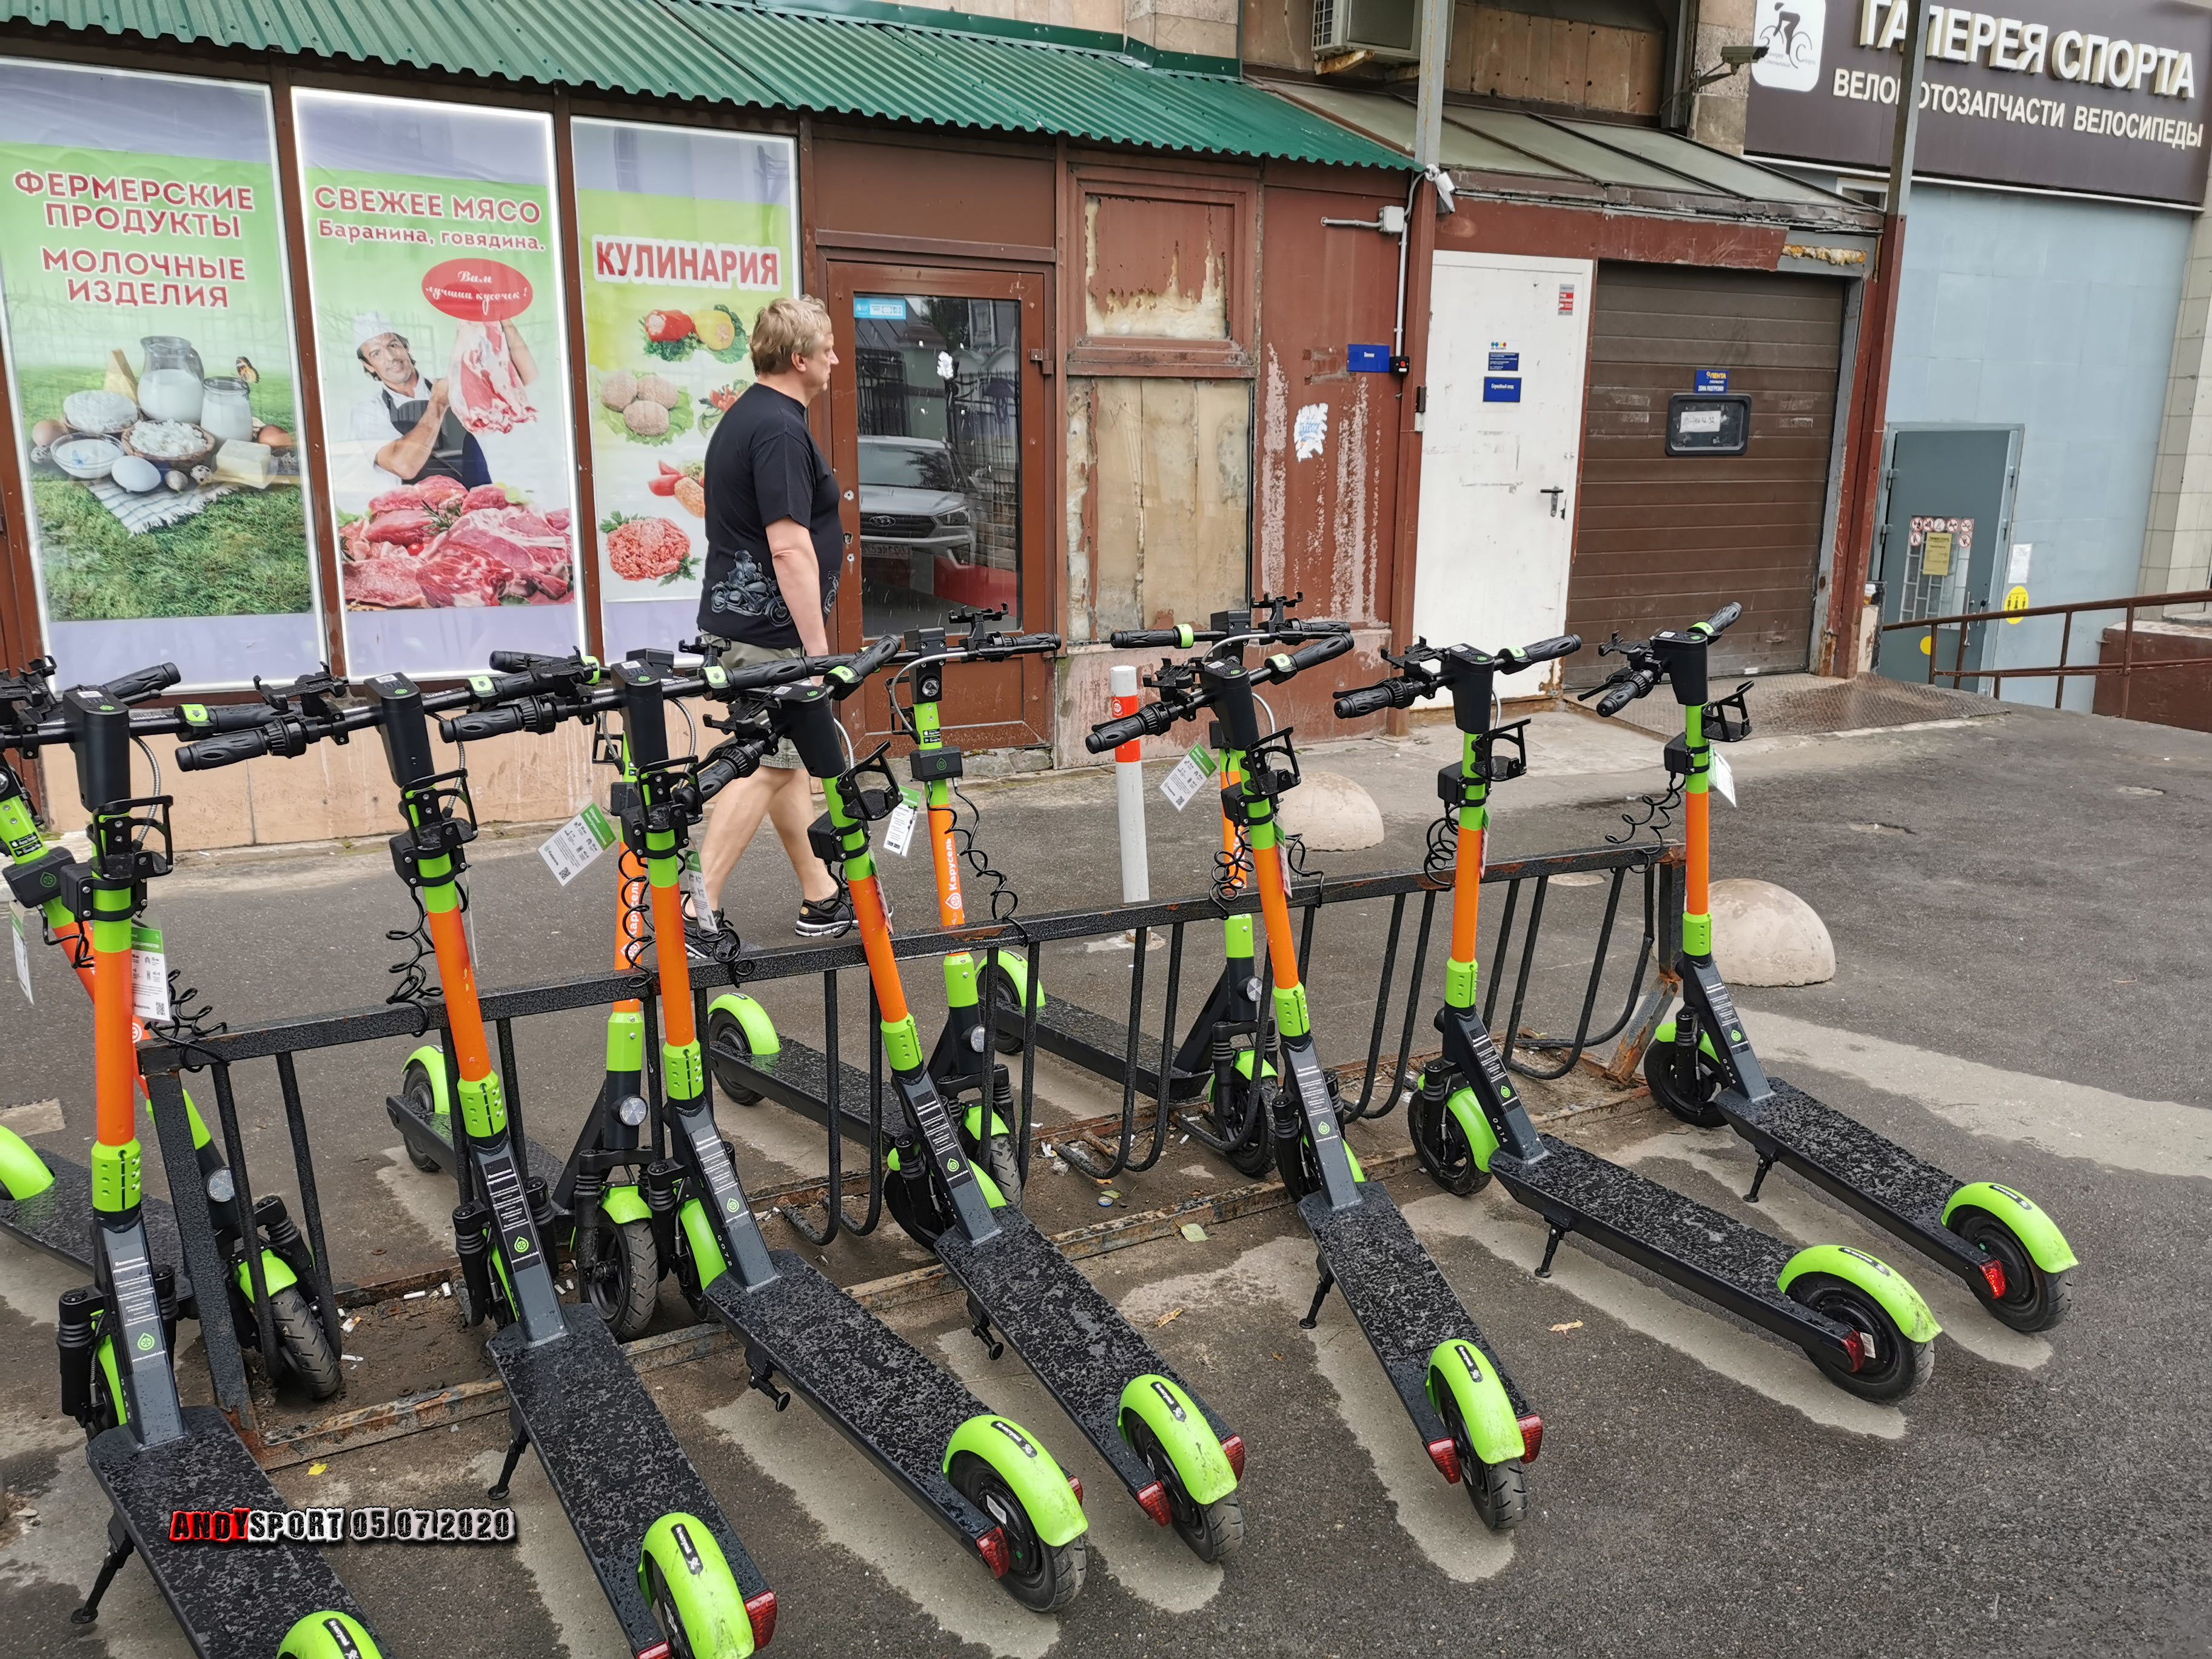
1163 273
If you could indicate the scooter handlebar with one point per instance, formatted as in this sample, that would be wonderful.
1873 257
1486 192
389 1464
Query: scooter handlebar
1310 656
1150 721
522 662
1628 691
1722 620
224 750
144 683
1146 639
1374 699
857 669
1564 644
479 724
729 763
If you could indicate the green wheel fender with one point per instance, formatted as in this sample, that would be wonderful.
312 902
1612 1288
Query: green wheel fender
623 1204
1465 1372
759 1031
992 1195
276 1274
116 1398
700 1583
23 1171
1666 1034
1244 1070
975 1121
706 1259
2030 1223
1182 1431
1021 1460
432 1060
1481 1138
327 1635
1017 970
1873 1275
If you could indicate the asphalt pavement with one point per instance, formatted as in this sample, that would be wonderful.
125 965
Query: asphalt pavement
2021 977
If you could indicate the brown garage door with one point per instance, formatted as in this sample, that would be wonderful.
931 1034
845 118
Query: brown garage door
1662 541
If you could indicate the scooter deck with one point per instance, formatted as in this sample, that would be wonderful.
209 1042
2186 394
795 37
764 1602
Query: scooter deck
879 1390
1734 1266
798 1076
1864 1170
60 1220
422 1136
234 1600
614 1462
1404 1304
1100 1044
1066 1331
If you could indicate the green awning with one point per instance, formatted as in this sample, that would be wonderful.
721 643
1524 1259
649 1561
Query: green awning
746 54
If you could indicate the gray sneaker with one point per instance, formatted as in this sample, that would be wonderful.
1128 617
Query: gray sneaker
829 918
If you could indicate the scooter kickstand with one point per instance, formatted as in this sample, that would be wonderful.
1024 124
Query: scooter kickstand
1321 1295
1552 1249
119 1551
979 1321
1765 1163
516 1446
763 1378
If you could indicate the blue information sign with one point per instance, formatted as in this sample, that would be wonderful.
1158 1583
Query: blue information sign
1501 388
1712 381
1367 359
874 308
1505 363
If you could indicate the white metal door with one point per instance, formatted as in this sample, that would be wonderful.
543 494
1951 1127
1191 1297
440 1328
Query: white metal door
1501 447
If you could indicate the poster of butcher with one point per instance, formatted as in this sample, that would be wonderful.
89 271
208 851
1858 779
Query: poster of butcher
683 236
148 337
432 247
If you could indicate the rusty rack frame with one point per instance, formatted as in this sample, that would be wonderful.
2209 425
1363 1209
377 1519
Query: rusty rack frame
2125 668
165 1060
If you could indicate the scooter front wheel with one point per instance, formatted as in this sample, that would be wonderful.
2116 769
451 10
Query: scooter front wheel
1440 1145
1895 1365
1689 1098
1044 1578
2033 1300
1006 1005
624 1286
304 1343
420 1093
1241 1123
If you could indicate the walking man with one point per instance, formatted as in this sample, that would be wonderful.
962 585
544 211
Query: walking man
775 547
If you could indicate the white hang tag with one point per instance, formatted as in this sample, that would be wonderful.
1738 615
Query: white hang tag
695 878
576 845
1189 776
1721 779
22 956
898 830
149 975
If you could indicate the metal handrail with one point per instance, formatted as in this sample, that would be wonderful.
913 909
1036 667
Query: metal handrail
2125 668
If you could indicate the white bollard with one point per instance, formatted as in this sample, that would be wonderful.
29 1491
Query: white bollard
1129 792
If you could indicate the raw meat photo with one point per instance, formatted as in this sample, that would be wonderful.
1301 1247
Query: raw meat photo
487 388
434 546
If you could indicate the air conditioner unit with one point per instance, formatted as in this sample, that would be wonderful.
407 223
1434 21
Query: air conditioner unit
1382 28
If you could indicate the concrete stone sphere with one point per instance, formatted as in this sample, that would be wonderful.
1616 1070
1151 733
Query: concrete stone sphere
1766 935
1332 813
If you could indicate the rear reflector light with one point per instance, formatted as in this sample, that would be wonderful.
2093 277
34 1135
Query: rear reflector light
1233 1450
1445 1455
658 1651
1994 1272
1855 1349
993 1546
1154 1500
1532 1437
761 1611
1075 1486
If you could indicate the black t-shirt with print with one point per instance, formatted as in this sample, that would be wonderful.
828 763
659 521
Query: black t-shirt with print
762 466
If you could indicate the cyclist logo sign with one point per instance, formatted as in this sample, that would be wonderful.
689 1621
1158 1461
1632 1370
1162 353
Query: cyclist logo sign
1790 30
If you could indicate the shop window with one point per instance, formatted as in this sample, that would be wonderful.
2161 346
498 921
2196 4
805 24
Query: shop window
148 334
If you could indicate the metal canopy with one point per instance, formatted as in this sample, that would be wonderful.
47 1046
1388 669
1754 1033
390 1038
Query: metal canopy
750 56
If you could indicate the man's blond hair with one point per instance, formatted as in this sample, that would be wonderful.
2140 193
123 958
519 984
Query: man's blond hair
795 327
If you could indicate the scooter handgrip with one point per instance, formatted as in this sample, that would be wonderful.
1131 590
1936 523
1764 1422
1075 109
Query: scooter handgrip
522 662
481 723
1112 734
875 656
1564 645
1145 639
230 747
142 683
1722 620
1367 700
1623 694
1312 656
1039 644
730 763
781 671
231 717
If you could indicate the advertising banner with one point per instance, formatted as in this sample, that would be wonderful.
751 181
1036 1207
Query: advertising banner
2105 98
684 236
148 336
440 339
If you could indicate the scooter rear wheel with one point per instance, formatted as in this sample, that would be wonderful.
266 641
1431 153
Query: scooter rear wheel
2034 1299
1211 1531
625 1286
304 1343
1499 1491
724 1029
1898 1365
1242 1123
1007 1002
1440 1145
417 1091
1044 1578
1688 1098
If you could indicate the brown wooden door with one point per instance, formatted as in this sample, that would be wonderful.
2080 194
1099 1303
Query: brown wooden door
938 433
1662 541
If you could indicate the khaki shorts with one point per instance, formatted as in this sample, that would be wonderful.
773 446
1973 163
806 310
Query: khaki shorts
784 756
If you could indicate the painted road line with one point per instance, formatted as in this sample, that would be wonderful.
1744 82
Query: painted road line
545 1545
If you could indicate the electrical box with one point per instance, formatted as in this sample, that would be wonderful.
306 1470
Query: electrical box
1383 29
